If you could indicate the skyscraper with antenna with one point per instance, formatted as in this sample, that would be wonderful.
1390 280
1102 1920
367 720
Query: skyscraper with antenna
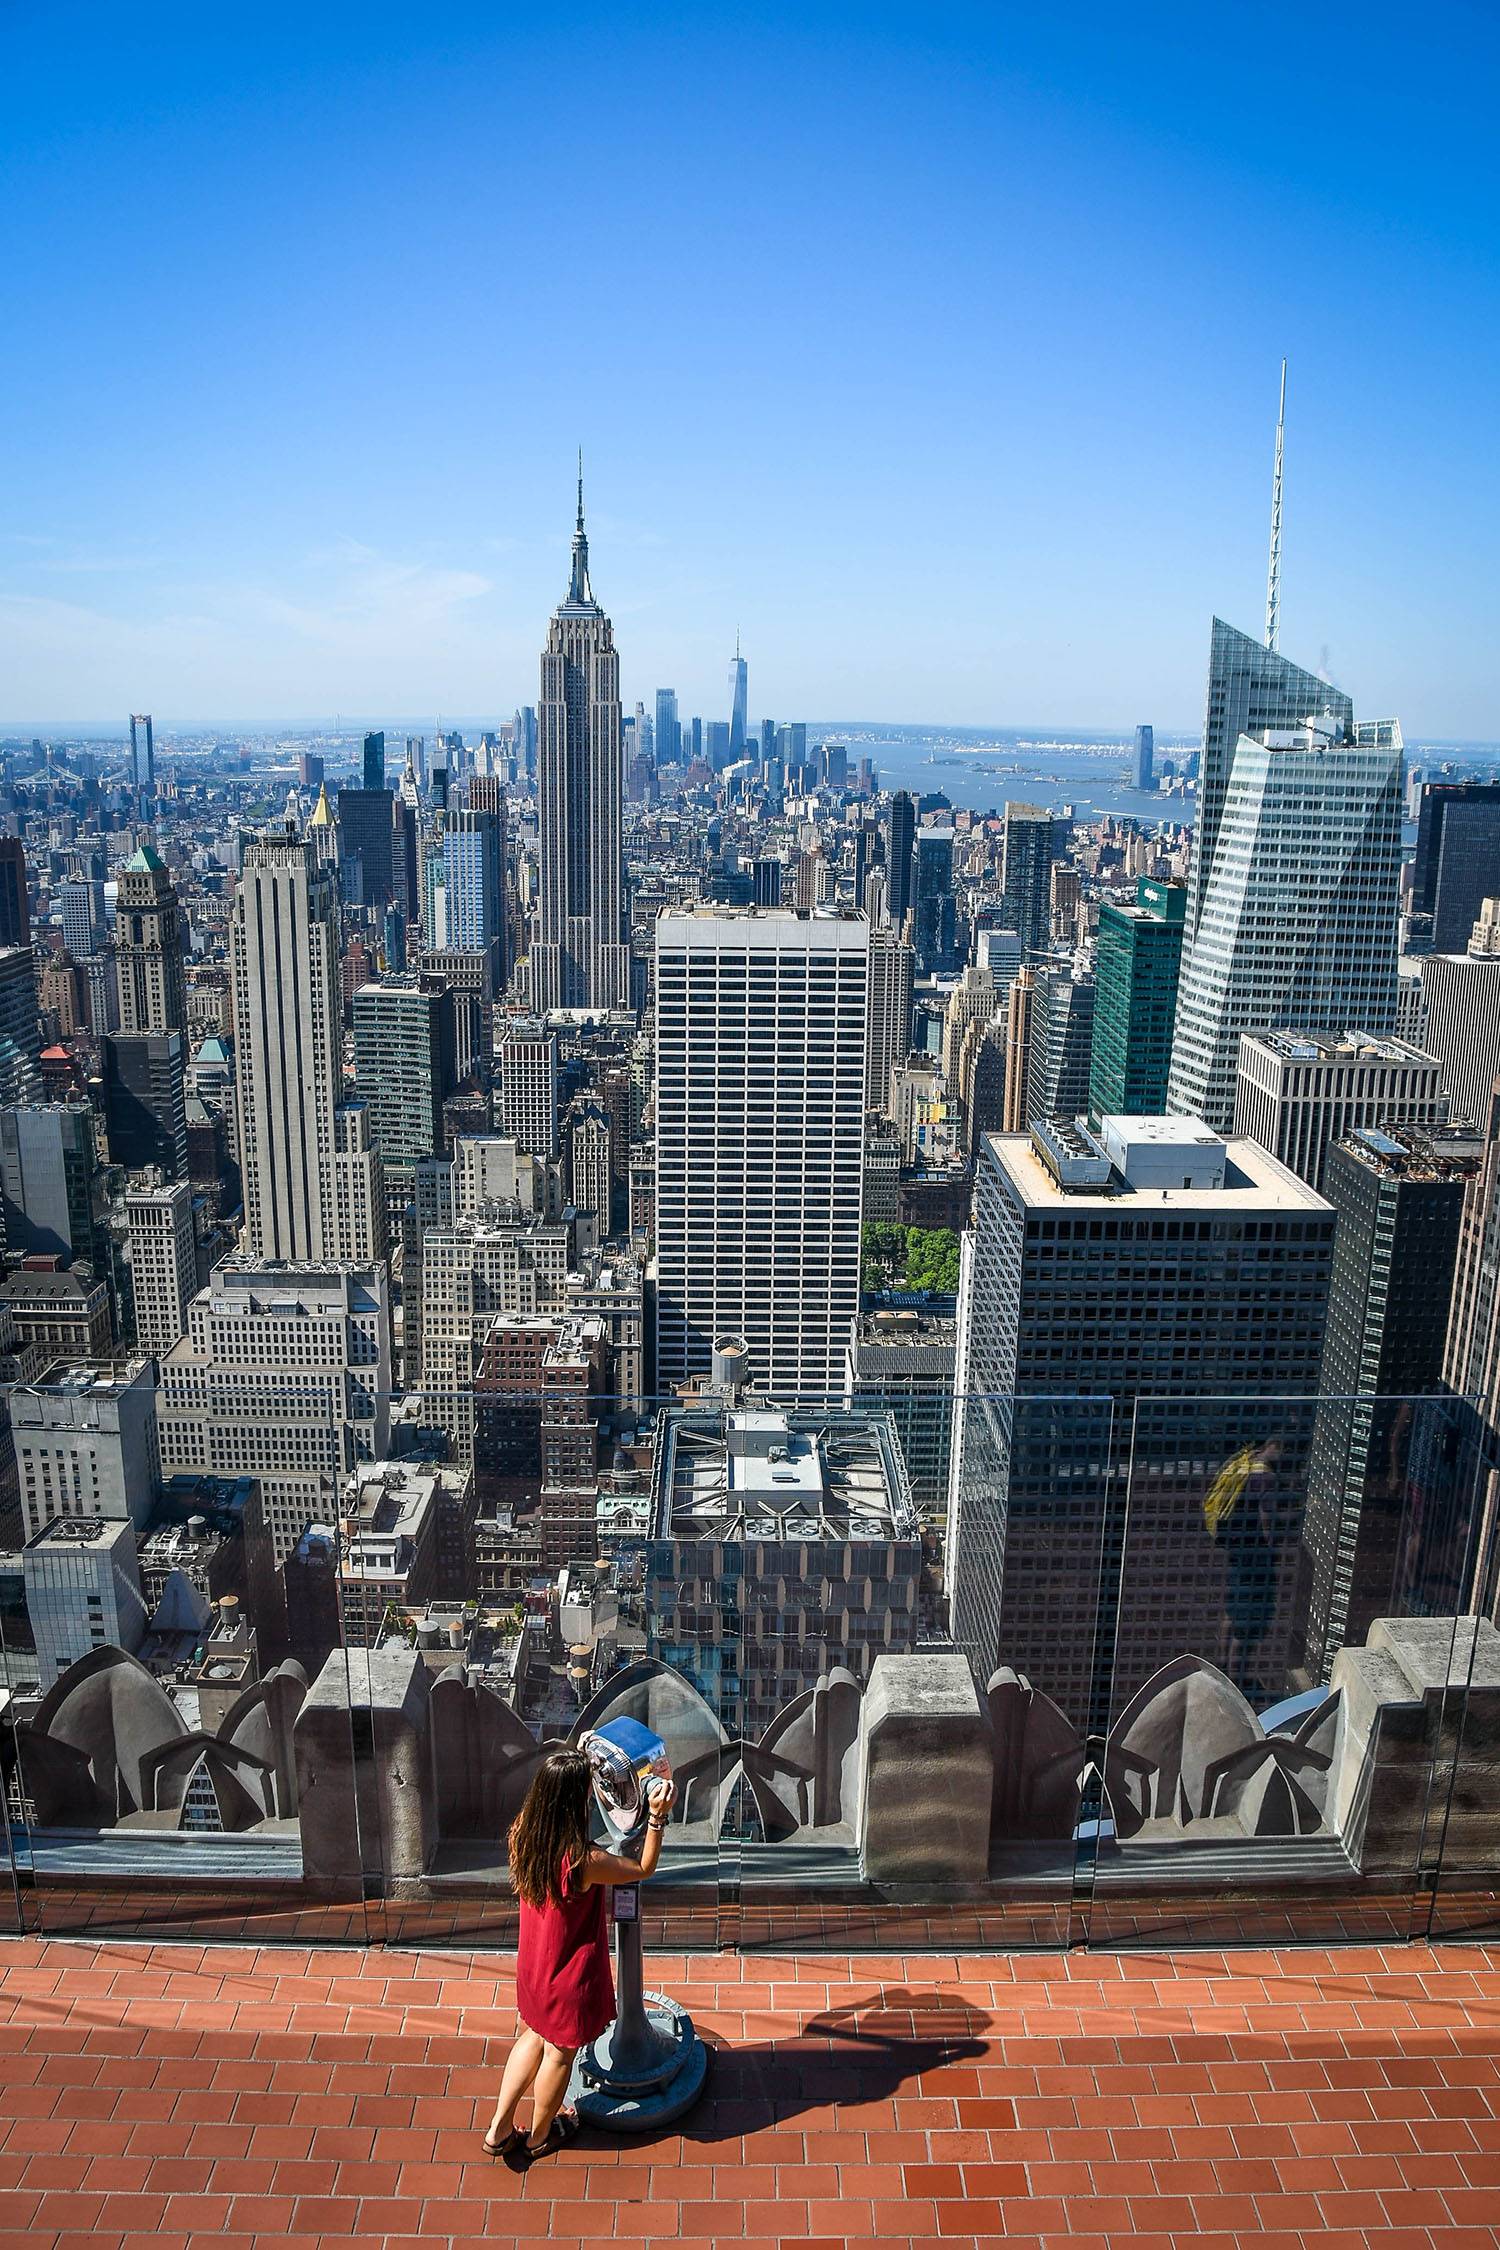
1250 686
738 704
580 958
1273 574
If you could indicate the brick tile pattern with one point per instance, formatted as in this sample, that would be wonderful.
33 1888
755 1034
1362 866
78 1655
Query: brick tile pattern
165 2096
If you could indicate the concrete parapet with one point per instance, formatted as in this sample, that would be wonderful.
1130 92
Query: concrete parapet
1419 1777
926 1773
364 1767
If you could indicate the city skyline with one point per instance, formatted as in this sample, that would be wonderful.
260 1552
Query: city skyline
992 423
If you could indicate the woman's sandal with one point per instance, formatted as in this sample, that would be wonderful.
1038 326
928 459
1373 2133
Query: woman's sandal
563 2129
503 2148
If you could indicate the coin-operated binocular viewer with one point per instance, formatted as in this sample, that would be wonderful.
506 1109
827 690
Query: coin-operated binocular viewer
650 2065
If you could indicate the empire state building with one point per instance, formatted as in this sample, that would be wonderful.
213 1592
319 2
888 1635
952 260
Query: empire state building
580 958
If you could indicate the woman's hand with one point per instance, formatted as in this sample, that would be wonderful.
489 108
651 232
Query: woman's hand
661 1796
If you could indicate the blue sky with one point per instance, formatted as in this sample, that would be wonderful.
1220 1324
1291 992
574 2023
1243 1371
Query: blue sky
935 348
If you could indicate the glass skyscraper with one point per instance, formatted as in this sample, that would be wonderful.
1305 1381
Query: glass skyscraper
738 706
1136 969
1250 688
1458 858
933 907
1299 903
1145 758
668 727
1029 852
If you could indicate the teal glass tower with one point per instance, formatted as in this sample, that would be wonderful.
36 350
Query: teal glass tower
1135 1006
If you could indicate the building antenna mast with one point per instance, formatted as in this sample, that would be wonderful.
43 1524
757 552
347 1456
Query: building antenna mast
1273 575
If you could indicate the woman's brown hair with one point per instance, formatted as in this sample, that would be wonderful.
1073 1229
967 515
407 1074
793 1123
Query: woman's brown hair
551 1830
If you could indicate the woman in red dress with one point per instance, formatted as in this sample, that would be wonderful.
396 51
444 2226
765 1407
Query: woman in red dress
565 1992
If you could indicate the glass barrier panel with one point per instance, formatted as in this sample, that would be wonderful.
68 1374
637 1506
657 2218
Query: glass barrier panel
506 1572
1462 1854
178 1732
898 1771
1281 1613
16 1681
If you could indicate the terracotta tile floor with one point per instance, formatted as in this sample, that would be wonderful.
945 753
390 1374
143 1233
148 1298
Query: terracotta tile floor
163 2095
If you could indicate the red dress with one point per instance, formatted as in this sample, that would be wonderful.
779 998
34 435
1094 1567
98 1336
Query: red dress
565 1990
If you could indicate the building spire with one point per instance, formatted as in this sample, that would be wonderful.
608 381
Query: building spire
579 589
1273 575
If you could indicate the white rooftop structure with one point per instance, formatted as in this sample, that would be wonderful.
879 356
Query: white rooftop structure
1165 1152
755 1473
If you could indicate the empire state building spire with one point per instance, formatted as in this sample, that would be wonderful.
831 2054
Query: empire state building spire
580 956
579 589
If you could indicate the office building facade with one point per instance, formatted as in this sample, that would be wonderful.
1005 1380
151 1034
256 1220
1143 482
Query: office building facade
288 1047
145 1101
782 1545
1137 964
83 1592
163 1264
20 1031
1145 758
1457 863
891 968
1389 1502
367 846
1297 1092
579 954
739 703
15 904
761 1022
1062 1043
668 728
1298 915
48 1174
474 868
402 1065
285 1376
934 909
142 753
901 835
1030 846
1251 688
148 947
1135 1308
86 1442
526 1109
1461 1002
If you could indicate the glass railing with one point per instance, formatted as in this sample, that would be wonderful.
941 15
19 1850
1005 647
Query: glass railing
931 1670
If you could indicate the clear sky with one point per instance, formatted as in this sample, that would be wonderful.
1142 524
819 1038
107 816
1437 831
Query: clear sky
934 347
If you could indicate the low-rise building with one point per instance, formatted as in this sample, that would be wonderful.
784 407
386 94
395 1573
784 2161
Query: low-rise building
86 1442
59 1310
387 1546
782 1545
83 1591
1297 1092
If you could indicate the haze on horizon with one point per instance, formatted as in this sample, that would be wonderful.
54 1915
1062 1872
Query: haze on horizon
938 356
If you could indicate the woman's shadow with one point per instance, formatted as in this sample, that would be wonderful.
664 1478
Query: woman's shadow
864 2052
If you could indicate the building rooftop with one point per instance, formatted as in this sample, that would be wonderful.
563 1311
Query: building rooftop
1418 1152
756 1473
72 1532
1270 2097
43 1285
1253 1182
1336 1046
97 1378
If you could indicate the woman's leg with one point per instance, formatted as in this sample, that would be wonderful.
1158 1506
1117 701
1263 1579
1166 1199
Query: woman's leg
548 2090
520 2070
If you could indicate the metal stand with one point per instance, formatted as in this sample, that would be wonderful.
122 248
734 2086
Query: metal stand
650 2065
